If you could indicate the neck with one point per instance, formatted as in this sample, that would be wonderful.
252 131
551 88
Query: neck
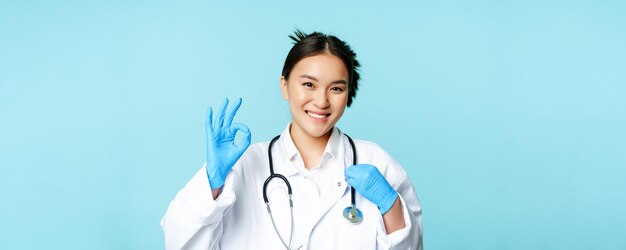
311 148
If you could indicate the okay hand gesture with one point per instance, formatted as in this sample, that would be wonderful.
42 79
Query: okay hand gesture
221 151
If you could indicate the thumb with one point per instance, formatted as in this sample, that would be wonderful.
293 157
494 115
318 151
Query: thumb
247 136
351 175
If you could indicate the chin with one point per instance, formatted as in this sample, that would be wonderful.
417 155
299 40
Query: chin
314 129
317 132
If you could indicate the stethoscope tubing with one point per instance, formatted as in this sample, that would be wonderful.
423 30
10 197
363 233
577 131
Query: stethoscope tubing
352 191
289 191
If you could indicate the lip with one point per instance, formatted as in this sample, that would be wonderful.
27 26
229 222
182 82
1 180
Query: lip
317 116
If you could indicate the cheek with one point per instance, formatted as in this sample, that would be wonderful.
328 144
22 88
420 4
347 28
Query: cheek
340 104
342 99
297 95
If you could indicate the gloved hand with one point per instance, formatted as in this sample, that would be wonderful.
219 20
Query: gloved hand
369 182
221 151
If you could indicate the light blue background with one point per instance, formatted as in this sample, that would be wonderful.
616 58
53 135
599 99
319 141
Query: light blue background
508 115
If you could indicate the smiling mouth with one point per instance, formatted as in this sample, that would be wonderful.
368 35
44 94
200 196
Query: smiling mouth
317 115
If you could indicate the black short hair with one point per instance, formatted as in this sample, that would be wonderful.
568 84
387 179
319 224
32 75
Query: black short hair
306 45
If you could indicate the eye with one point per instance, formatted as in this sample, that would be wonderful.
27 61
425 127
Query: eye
308 84
337 89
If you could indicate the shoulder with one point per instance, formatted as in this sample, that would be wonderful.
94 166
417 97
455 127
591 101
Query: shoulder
254 152
258 147
371 153
371 150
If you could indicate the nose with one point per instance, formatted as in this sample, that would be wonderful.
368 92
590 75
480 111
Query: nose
321 99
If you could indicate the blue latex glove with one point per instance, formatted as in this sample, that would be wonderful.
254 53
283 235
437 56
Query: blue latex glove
221 151
369 182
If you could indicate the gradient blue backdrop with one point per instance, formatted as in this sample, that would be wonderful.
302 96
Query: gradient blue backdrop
508 115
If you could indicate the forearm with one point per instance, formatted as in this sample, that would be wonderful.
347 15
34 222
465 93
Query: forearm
394 218
216 193
192 216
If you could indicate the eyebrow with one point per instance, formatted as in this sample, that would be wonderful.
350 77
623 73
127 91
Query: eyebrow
315 79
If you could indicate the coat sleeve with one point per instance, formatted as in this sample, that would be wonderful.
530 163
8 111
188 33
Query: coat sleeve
193 219
409 237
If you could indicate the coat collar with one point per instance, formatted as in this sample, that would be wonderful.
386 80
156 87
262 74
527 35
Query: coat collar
334 181
290 151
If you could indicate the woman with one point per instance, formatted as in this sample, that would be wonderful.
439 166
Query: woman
223 207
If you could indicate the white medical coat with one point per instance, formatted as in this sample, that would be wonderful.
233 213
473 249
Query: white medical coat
238 218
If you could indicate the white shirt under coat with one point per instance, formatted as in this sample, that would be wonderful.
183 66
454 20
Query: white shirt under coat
238 218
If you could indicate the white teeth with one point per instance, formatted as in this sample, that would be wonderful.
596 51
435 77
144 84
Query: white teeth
315 115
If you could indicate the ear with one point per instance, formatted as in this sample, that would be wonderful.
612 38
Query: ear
284 88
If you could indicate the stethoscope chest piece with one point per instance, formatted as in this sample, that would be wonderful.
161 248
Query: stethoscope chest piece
353 215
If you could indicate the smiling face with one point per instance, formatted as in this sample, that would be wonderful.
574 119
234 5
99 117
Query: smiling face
317 92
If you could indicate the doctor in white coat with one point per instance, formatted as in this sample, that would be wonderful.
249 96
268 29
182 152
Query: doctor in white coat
222 206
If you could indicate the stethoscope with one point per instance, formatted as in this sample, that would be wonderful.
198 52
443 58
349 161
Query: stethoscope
351 213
